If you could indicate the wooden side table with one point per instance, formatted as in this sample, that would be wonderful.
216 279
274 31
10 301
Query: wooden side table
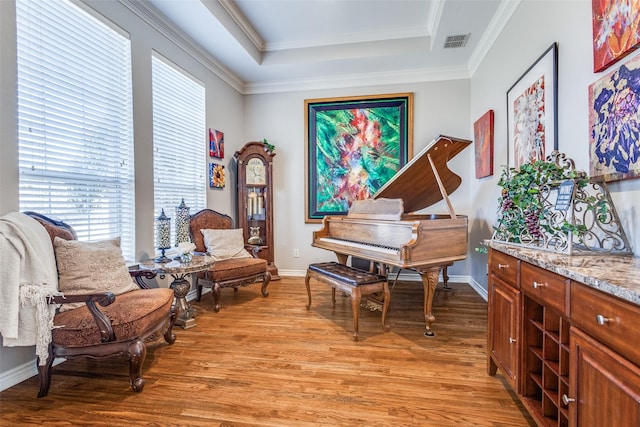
181 286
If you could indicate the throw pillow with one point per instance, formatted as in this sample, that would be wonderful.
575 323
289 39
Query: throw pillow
91 267
225 244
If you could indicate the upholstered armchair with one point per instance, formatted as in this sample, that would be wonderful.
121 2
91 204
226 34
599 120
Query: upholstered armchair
122 324
213 232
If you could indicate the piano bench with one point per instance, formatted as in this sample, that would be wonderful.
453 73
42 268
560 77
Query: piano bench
353 281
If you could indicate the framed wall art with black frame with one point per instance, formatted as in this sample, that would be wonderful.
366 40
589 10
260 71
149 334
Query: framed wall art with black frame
532 111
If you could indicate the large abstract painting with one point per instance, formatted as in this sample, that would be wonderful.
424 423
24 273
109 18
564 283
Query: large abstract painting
354 146
614 121
616 30
532 111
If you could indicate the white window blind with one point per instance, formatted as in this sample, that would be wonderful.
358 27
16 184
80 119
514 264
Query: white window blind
179 141
75 130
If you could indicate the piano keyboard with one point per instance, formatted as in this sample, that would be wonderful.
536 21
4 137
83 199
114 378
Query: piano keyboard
359 245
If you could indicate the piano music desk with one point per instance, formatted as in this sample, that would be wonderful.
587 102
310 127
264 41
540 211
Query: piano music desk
353 281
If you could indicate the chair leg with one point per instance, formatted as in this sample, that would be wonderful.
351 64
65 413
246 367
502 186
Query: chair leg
44 373
265 283
137 352
215 290
355 308
169 336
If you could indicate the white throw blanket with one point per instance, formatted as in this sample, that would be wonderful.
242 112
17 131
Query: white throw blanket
28 275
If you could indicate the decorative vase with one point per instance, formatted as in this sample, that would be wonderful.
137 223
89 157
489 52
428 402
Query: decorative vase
186 258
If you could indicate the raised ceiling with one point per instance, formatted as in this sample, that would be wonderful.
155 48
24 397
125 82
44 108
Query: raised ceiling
280 45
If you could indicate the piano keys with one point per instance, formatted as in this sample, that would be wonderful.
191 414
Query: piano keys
387 231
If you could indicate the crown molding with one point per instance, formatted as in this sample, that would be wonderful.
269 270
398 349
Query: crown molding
151 16
360 80
504 13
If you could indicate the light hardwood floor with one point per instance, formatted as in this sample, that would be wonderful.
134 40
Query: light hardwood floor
271 362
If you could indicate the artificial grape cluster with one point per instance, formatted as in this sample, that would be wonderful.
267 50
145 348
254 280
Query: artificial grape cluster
507 203
533 224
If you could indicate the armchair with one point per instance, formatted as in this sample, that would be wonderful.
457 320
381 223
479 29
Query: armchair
122 326
230 272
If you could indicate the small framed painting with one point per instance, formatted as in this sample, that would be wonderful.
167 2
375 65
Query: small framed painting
616 31
614 124
532 111
483 136
216 144
216 175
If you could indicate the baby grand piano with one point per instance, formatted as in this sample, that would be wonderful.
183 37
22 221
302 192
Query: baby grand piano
383 229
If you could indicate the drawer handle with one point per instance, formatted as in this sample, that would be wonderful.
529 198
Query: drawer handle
512 340
566 399
602 320
501 266
537 285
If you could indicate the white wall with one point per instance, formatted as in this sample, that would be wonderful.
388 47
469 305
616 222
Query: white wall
224 112
439 108
535 25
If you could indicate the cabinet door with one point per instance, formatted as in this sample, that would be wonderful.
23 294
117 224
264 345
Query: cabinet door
605 386
504 329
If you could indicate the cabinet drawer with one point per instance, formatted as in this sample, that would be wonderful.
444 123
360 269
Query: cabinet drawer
547 288
505 266
608 319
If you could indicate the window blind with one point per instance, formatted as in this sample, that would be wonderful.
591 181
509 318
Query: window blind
75 129
179 140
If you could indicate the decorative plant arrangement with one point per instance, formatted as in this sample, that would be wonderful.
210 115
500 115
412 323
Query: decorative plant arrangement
550 205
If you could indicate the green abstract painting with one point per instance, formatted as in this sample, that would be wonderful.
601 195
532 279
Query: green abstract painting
354 146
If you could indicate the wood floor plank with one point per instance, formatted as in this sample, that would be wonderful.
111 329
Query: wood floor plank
271 362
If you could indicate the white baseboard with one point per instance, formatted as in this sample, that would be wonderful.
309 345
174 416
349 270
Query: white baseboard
21 373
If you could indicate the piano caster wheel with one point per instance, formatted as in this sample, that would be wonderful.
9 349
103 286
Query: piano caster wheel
429 334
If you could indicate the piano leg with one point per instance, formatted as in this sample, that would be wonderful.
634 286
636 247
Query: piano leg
429 282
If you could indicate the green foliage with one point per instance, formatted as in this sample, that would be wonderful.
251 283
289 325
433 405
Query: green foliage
520 202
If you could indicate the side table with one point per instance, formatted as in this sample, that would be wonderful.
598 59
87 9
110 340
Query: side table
178 271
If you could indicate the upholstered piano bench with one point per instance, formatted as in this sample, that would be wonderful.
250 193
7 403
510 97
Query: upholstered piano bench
353 281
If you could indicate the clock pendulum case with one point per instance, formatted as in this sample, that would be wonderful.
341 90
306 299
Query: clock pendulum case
255 200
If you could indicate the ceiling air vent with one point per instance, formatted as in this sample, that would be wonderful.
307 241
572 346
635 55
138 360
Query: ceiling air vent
456 41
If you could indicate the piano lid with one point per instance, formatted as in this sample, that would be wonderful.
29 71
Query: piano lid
416 183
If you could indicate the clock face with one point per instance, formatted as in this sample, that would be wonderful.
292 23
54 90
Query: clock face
256 172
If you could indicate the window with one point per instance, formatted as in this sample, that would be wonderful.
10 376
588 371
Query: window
75 130
179 157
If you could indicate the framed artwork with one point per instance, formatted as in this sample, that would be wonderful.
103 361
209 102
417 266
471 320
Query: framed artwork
616 31
216 144
614 124
483 136
532 111
216 175
353 147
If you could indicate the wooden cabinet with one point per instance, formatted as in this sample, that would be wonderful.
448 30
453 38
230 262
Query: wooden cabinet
605 387
504 318
605 377
569 351
255 200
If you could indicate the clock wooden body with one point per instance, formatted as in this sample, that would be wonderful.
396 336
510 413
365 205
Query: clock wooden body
255 200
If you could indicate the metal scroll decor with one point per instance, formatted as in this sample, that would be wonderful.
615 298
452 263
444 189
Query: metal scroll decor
570 213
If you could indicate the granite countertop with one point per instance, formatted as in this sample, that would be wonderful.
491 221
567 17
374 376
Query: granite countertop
617 275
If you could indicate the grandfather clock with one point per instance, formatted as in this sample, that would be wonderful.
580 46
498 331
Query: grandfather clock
255 200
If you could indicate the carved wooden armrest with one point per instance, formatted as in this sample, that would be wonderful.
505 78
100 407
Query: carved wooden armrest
103 298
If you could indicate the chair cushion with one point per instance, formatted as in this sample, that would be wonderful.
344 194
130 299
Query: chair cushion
236 268
131 314
225 244
90 267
